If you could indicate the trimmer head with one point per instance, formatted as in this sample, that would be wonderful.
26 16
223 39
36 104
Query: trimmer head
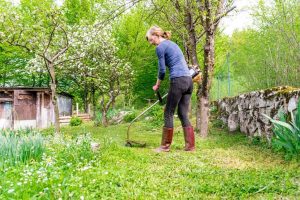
130 143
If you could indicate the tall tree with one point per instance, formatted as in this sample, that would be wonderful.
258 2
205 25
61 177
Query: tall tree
211 12
181 17
99 69
100 13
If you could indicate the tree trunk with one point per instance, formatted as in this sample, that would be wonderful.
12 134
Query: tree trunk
94 101
186 50
198 109
54 97
191 44
103 111
203 95
85 98
33 80
204 116
40 79
104 118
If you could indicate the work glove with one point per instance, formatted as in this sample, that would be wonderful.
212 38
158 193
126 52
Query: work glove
155 87
198 78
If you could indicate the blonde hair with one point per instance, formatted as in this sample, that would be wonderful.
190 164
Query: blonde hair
156 30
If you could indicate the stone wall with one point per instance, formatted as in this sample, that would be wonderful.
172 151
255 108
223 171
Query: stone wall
243 112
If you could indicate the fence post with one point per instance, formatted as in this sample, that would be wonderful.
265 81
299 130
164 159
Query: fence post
228 71
77 109
218 95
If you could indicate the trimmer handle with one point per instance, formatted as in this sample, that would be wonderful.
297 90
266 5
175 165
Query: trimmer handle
159 97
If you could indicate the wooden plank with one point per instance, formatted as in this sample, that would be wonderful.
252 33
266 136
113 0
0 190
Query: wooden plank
6 99
66 119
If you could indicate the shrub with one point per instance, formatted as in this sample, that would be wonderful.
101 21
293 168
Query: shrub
98 119
110 114
130 116
217 123
20 147
75 121
287 135
157 114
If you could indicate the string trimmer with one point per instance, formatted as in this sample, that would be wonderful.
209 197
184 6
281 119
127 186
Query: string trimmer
131 143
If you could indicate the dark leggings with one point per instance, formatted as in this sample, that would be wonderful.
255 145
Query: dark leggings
179 94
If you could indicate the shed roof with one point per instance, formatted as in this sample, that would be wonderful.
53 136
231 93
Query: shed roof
34 89
25 88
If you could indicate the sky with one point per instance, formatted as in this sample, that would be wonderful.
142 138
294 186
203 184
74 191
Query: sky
240 18
237 20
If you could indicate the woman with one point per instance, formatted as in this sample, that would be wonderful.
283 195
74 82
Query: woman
181 87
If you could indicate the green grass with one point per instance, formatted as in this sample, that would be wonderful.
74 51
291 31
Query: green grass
225 166
19 147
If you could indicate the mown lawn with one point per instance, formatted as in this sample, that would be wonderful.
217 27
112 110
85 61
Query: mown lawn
225 166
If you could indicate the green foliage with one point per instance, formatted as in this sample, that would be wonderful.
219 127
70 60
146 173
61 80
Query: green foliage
14 70
221 85
98 118
224 166
61 166
225 65
80 10
156 111
75 121
157 115
260 140
130 116
130 34
268 55
217 123
73 150
287 135
110 114
20 146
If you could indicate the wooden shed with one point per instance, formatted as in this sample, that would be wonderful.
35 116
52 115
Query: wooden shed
22 107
